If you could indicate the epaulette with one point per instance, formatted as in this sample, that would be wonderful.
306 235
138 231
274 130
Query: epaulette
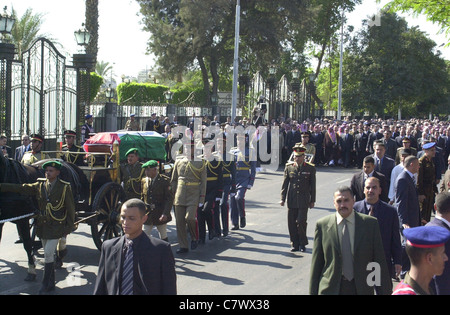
289 163
42 179
310 164
64 182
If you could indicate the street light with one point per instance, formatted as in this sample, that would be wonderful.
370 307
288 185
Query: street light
169 95
109 93
82 36
6 22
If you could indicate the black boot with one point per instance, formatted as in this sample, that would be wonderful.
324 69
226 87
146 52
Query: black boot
48 282
59 258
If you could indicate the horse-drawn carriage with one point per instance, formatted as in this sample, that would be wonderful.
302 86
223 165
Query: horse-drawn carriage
96 185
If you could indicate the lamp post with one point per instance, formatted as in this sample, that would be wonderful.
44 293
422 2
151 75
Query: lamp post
272 85
84 63
295 85
244 81
170 107
110 93
7 52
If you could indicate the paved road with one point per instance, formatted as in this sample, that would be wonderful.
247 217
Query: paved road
255 260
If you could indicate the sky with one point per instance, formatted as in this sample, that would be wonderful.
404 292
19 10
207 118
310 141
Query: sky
122 42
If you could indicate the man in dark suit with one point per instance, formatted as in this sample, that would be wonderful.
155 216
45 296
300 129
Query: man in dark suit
389 144
153 265
25 147
387 219
346 146
317 138
373 136
383 163
346 245
358 180
292 138
442 218
407 201
360 144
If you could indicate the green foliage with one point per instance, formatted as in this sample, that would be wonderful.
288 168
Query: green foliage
96 83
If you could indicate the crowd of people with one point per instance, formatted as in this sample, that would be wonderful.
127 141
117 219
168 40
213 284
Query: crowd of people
400 164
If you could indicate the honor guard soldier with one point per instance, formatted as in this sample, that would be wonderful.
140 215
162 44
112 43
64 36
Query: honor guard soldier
425 247
299 188
56 216
229 189
35 155
245 178
70 146
214 190
132 124
188 182
87 129
158 197
426 181
131 174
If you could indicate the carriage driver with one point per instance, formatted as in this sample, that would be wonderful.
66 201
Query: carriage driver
56 216
35 155
131 174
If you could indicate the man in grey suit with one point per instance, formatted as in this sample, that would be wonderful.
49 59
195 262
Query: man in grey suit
348 255
152 263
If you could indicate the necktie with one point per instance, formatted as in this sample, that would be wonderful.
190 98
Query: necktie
371 211
127 275
347 257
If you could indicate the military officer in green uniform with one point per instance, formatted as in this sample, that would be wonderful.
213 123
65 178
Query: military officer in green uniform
35 155
310 152
299 188
188 182
157 195
406 145
56 216
70 146
426 181
131 174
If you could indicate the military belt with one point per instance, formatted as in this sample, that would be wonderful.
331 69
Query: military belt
189 184
242 168
209 179
226 175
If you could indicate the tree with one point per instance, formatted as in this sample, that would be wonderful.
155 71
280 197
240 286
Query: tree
92 27
436 11
26 30
392 66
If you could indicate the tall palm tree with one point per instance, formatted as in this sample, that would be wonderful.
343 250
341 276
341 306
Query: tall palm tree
26 30
92 27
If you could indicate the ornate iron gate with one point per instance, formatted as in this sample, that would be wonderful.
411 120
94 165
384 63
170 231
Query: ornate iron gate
43 95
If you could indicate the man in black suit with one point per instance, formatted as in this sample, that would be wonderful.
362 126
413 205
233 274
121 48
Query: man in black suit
373 136
383 163
292 137
389 144
153 265
407 201
346 146
358 180
317 138
442 218
360 144
387 219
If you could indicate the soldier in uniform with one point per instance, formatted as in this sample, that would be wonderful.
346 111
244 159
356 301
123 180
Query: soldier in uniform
299 188
132 124
426 181
158 197
245 178
70 146
188 184
131 174
35 155
406 141
87 129
214 191
56 215
229 189
310 147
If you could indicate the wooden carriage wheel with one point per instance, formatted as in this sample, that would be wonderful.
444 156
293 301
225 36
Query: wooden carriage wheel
107 204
